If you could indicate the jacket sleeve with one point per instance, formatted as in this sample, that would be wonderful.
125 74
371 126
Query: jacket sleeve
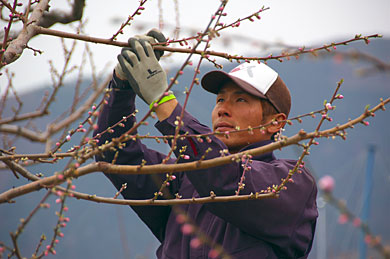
287 222
120 104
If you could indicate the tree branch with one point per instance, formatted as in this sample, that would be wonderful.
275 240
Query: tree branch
16 47
50 181
54 17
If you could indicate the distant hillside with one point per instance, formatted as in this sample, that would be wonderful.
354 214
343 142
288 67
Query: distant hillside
95 230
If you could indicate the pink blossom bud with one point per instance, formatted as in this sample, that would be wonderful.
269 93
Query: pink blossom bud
181 72
367 239
58 200
61 234
53 252
195 243
95 126
343 218
329 106
63 225
58 144
94 107
366 123
186 157
326 183
173 177
46 253
76 165
56 241
357 222
340 96
68 138
187 229
180 218
213 253
66 209
73 187
60 177
48 247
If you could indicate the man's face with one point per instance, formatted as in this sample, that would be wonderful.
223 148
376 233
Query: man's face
236 108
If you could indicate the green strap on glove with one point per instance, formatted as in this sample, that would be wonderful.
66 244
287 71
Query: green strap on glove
139 65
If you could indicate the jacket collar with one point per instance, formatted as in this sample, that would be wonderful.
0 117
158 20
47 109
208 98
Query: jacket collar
267 157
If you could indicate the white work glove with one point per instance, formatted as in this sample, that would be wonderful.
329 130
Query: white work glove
139 65
153 36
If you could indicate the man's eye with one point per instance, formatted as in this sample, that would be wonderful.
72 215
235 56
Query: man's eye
241 100
219 100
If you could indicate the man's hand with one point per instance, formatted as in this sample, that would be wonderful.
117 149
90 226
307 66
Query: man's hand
153 36
141 68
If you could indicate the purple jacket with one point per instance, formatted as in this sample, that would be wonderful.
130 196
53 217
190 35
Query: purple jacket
270 228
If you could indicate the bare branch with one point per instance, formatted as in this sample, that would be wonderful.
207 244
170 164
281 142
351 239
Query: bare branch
16 47
41 30
24 132
55 16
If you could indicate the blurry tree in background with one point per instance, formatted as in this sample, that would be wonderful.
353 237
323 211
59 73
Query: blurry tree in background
66 141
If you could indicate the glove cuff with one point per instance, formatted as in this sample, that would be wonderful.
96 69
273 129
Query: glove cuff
166 98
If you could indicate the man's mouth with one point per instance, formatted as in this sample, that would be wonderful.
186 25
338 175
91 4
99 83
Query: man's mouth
223 127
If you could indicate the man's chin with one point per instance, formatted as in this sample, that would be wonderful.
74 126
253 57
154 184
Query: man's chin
230 142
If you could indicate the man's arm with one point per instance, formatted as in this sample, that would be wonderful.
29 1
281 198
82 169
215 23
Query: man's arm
121 103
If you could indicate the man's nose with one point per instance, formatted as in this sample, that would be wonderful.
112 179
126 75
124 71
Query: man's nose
224 110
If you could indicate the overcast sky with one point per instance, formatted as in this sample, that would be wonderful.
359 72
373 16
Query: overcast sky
300 22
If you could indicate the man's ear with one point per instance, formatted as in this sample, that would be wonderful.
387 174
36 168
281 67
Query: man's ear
277 122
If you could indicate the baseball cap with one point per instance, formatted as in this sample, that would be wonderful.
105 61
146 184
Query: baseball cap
255 78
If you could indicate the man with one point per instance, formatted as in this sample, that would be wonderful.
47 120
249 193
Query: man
250 95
